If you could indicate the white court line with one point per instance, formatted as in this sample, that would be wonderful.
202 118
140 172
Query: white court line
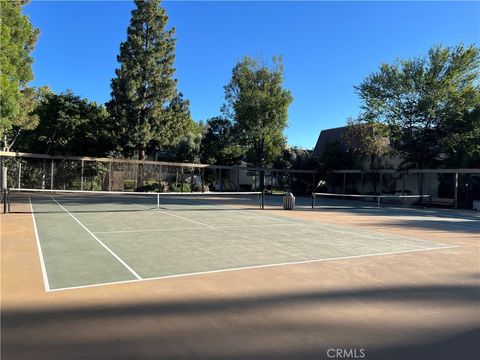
100 242
177 216
39 248
254 267
192 228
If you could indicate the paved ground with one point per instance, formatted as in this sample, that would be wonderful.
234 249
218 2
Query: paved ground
419 305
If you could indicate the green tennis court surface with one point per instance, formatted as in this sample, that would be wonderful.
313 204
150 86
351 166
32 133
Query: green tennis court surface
85 241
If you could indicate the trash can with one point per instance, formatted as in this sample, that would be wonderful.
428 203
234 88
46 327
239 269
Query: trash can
289 201
476 204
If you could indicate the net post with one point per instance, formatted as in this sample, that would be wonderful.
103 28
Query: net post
158 201
378 201
313 200
262 200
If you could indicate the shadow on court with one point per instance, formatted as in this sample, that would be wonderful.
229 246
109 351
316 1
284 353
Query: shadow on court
246 328
414 218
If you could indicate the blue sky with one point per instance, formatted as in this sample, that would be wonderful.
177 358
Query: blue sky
327 48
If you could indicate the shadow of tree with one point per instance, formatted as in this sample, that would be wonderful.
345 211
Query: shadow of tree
236 328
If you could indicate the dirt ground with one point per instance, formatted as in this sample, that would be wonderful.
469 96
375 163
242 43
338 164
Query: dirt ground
419 305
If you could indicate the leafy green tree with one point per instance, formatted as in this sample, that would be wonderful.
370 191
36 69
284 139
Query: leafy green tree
187 149
219 144
144 100
368 140
292 158
179 120
257 104
17 39
462 143
27 118
335 157
423 100
69 125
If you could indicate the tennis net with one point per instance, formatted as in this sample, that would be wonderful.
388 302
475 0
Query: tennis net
46 200
378 200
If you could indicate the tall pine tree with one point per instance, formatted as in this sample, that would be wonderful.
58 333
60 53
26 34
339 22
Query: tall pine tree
144 88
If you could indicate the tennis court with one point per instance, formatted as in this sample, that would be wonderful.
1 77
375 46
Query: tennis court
86 239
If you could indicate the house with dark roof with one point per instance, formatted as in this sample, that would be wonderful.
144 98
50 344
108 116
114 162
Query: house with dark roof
327 136
336 135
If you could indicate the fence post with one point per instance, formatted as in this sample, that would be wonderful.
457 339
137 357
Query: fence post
381 183
314 187
110 180
160 176
456 190
81 175
191 179
221 181
361 182
181 182
238 178
4 176
51 174
20 175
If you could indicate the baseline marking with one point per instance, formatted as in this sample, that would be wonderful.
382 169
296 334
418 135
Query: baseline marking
254 267
100 242
39 249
